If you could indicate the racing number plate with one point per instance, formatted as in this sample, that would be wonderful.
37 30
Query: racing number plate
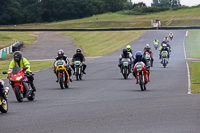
139 68
60 63
125 63
164 55
77 62
147 56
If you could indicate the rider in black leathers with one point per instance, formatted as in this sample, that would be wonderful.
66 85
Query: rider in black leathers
79 57
164 48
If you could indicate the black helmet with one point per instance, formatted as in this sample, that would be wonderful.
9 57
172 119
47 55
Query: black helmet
17 55
78 50
60 53
125 52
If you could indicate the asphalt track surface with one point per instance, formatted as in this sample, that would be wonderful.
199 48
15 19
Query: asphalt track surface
106 103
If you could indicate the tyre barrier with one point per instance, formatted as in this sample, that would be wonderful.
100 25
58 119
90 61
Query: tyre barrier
11 49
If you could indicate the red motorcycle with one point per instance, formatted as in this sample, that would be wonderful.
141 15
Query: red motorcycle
21 84
141 75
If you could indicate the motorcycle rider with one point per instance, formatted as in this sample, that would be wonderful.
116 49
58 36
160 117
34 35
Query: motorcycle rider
171 34
22 62
166 39
155 41
125 54
4 91
79 57
148 49
139 57
61 56
128 47
164 48
169 47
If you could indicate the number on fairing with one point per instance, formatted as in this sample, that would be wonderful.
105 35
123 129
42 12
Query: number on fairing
125 63
77 62
148 56
60 63
139 68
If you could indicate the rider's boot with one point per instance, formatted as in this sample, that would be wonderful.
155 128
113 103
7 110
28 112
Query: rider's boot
33 87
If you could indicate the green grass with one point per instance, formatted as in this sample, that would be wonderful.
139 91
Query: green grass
101 43
182 17
8 38
35 66
194 76
193 44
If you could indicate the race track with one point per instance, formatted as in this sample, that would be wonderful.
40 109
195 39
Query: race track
106 103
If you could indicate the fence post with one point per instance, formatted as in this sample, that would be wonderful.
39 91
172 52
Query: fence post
0 53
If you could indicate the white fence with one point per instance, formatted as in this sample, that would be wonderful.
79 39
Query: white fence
8 50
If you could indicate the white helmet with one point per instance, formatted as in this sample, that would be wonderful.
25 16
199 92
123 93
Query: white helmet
147 46
164 45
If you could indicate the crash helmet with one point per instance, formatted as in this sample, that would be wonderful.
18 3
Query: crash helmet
164 45
60 53
147 47
125 52
138 55
17 55
78 51
128 47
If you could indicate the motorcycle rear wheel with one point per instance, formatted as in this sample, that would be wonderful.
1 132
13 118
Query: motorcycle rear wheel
32 97
18 93
141 82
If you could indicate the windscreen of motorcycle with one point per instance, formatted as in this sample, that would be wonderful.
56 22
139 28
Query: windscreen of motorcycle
15 70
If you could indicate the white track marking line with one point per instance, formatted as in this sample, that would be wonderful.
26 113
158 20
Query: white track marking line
189 81
188 69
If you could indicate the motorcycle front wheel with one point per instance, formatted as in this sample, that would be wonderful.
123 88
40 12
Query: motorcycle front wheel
18 93
4 105
125 73
77 73
61 81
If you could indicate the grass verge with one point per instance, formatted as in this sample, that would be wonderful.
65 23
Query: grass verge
35 66
101 43
194 76
192 44
182 17
8 38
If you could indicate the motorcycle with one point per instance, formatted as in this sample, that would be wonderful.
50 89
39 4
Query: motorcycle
156 45
78 70
126 67
171 37
3 98
62 74
21 84
164 58
148 58
141 75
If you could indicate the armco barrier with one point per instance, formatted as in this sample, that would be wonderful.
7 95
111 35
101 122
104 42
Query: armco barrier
111 29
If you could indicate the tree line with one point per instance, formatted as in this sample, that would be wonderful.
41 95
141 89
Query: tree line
31 11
